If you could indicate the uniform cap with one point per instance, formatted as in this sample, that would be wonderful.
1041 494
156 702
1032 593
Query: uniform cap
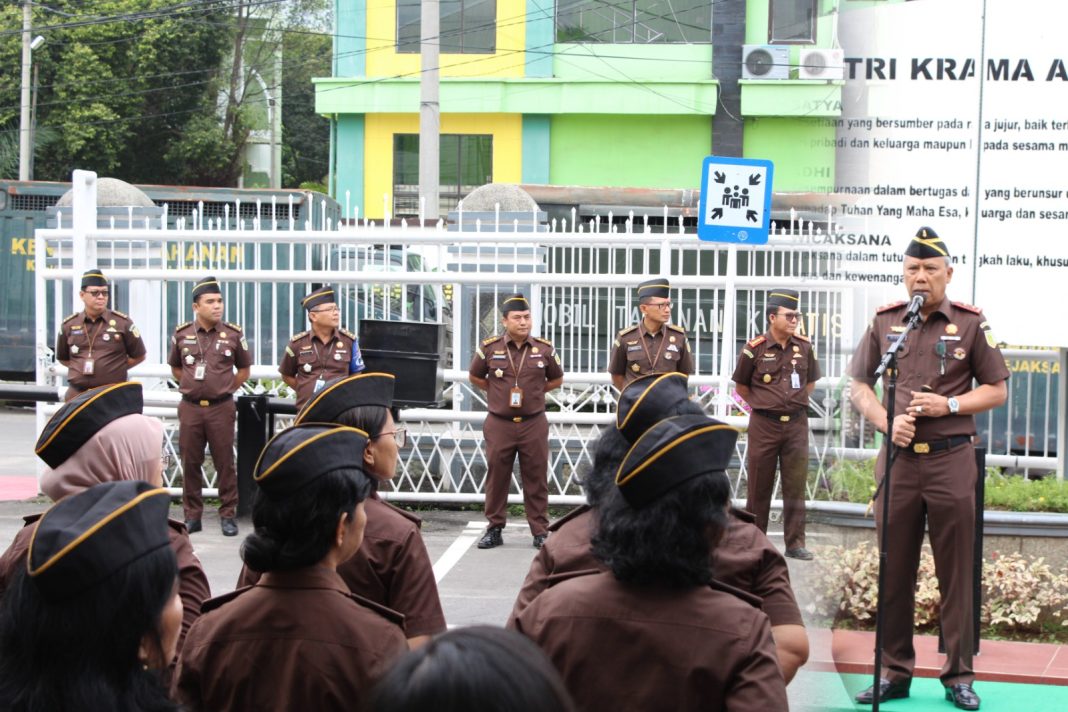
342 394
94 278
83 416
926 244
208 285
785 298
322 295
672 452
298 456
647 400
659 287
514 302
86 537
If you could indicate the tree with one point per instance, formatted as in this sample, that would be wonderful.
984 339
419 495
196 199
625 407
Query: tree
306 134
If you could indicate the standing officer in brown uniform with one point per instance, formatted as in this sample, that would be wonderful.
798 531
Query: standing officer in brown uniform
204 355
98 345
323 352
776 373
516 371
652 345
934 470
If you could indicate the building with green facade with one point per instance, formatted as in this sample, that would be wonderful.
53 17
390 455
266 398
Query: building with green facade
581 92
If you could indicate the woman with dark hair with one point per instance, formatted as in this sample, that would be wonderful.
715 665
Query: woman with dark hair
392 567
94 616
299 639
477 669
101 436
675 638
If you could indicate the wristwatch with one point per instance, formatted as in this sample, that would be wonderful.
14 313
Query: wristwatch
954 405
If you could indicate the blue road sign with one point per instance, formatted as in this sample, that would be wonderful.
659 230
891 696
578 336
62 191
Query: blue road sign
735 200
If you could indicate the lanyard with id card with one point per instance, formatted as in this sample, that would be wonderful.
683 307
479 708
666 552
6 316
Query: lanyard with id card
515 394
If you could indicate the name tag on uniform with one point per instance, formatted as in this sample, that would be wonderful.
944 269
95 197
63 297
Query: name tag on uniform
497 356
949 338
191 339
636 347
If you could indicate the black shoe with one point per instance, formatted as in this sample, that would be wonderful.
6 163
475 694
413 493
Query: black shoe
539 540
800 553
193 525
229 526
963 696
887 691
491 538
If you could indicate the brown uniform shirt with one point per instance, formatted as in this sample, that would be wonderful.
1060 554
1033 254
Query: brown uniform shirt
745 559
768 370
506 366
391 568
651 648
221 349
298 640
637 353
309 359
107 341
970 351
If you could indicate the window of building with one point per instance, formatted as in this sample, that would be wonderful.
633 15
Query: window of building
467 26
792 21
634 21
466 164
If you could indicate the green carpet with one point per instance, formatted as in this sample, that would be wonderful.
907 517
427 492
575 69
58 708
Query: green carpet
831 692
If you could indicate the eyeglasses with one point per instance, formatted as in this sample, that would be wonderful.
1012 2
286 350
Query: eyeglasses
790 316
326 310
659 305
96 293
400 436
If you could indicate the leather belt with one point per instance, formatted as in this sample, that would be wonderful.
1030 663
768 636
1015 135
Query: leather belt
517 418
781 417
939 445
205 402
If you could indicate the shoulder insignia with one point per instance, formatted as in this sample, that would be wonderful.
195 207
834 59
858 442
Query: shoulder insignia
753 343
749 598
490 340
71 317
674 327
348 333
624 332
748 353
544 341
802 337
181 326
297 337
410 516
967 307
388 613
233 326
570 516
119 313
743 514
889 307
218 601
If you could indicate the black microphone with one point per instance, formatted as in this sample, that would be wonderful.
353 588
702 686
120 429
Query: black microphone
914 307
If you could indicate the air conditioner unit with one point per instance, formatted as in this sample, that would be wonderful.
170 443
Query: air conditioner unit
821 64
765 62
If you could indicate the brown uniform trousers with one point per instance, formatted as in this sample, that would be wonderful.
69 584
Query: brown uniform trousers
530 440
213 426
773 442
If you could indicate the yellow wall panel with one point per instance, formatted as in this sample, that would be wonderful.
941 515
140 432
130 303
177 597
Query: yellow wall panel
506 129
508 61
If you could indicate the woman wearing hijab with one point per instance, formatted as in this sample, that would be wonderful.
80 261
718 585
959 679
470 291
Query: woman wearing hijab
101 436
392 567
93 616
299 639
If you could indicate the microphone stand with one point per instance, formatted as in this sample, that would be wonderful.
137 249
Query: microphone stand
888 365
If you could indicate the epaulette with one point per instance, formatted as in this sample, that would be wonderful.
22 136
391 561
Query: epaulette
233 326
490 340
569 517
743 514
71 317
388 613
116 311
544 341
888 307
348 333
674 327
301 335
404 513
756 341
754 601
628 330
967 307
181 326
212 603
554 579
802 337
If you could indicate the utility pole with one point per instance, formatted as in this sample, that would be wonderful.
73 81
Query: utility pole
25 147
429 109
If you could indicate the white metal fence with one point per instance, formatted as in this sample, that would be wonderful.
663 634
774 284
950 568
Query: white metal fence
580 281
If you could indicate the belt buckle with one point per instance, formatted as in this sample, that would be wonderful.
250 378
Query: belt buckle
784 419
517 419
921 448
204 404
